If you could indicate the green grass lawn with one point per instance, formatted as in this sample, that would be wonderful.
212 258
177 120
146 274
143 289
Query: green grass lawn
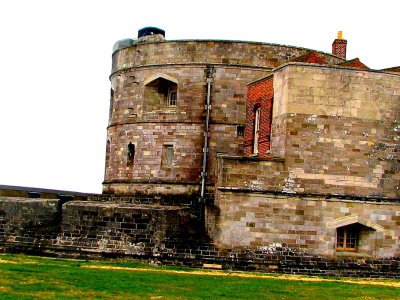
29 277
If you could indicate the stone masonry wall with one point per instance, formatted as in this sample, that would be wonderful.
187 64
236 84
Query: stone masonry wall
156 232
150 128
137 229
209 51
334 162
305 222
181 63
29 221
338 129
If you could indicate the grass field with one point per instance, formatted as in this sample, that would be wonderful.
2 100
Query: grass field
29 277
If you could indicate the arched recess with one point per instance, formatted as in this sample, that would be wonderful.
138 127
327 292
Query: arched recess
355 234
352 219
160 91
160 75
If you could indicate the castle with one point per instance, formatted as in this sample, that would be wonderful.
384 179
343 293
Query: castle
285 158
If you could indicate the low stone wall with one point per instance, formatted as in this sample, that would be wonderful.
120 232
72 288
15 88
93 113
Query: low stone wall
29 221
122 228
162 234
278 258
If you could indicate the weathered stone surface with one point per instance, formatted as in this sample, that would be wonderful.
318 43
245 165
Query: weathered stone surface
123 228
251 219
329 160
139 116
28 220
169 234
345 144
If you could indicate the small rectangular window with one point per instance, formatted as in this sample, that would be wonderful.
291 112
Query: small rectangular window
347 239
172 97
168 155
240 130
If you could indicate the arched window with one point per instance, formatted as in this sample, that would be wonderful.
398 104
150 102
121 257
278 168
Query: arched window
131 155
257 116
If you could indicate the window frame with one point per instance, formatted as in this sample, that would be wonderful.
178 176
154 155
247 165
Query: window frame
172 97
168 155
256 133
240 130
347 239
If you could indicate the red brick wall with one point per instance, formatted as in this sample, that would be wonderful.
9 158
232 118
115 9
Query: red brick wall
259 94
339 48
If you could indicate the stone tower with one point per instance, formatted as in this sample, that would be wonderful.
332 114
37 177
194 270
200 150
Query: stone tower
162 136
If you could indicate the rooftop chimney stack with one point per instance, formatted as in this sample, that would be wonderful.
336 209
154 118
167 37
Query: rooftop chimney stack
339 46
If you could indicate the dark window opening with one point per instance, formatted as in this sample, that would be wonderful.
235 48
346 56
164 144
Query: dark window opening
131 154
240 130
111 103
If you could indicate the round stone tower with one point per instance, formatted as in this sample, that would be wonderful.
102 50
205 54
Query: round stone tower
175 105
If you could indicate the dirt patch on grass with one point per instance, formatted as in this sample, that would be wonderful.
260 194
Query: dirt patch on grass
19 261
7 262
4 289
379 282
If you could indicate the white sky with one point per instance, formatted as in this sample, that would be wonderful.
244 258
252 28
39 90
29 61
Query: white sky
55 59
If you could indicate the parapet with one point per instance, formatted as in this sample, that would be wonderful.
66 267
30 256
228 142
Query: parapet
125 43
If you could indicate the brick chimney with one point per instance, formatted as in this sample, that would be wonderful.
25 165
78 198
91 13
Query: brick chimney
339 46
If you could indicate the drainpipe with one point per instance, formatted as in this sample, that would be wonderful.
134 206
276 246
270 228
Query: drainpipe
209 75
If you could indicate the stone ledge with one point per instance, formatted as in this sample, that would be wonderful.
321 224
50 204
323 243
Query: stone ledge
328 197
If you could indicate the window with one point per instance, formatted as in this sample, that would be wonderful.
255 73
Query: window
168 155
131 155
240 130
172 96
347 238
257 115
160 91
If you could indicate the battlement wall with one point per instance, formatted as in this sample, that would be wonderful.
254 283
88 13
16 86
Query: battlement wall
240 53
